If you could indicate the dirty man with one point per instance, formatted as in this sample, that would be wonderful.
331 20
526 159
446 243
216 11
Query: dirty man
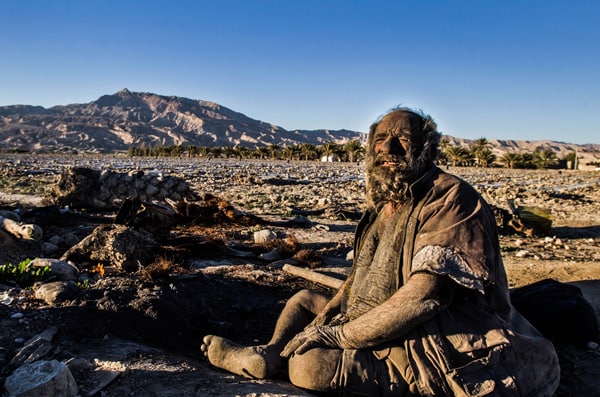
425 310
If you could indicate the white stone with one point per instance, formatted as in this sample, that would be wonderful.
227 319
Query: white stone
350 256
42 378
262 236
522 254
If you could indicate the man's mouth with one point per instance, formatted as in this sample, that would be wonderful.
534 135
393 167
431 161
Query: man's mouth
391 163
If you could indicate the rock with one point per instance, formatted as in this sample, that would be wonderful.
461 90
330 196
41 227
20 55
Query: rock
10 215
42 379
70 239
35 349
350 255
522 254
49 248
61 270
263 236
21 231
272 255
56 292
56 240
117 245
558 310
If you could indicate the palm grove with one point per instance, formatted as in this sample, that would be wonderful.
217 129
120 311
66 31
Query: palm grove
478 153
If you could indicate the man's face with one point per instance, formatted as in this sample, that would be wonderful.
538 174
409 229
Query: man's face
393 160
396 139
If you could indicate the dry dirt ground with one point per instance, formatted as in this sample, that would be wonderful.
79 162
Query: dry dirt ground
138 334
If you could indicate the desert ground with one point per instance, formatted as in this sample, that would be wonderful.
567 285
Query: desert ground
137 334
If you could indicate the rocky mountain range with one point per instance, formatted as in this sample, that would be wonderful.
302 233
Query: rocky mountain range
113 123
116 122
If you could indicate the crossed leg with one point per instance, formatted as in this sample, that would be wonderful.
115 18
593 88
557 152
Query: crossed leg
263 361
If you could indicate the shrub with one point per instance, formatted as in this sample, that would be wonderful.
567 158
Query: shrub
23 274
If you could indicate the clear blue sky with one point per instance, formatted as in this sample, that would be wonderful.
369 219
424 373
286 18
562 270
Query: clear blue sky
509 69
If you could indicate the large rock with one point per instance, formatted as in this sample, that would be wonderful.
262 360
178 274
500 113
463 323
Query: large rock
57 291
116 245
42 379
60 270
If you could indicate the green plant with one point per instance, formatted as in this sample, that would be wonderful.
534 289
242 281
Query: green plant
23 274
84 284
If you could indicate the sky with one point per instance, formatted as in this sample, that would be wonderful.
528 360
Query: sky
523 70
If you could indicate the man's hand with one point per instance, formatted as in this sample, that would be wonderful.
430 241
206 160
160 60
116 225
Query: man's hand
314 336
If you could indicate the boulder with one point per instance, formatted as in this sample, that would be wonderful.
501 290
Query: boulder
60 270
42 379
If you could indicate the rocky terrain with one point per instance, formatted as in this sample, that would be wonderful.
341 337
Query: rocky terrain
137 332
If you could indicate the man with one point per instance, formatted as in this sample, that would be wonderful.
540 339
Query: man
425 310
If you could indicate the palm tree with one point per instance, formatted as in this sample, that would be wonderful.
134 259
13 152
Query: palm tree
527 160
262 152
511 159
216 151
228 151
203 151
353 149
244 152
480 148
458 155
444 144
481 143
289 152
544 158
484 157
308 150
274 149
329 148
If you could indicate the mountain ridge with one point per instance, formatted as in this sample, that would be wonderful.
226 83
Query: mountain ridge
115 122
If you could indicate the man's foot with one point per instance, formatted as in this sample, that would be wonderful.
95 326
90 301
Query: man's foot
254 362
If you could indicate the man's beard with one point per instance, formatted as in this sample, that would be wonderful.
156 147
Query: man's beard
391 183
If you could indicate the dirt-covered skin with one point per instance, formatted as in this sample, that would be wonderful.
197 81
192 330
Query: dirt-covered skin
154 326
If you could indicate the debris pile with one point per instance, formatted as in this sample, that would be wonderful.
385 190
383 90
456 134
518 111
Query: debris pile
80 187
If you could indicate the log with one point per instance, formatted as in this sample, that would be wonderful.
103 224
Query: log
313 276
25 232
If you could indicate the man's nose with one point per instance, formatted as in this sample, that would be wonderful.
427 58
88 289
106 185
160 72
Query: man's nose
392 145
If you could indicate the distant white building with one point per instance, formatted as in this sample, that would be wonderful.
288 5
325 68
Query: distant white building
332 158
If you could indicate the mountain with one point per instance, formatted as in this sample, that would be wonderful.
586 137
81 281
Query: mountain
113 123
116 122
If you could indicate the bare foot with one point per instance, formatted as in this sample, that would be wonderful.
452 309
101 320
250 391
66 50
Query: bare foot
254 362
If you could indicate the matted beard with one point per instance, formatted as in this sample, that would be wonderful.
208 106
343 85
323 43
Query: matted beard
385 184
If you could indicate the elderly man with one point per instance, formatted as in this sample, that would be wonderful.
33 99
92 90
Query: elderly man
425 310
